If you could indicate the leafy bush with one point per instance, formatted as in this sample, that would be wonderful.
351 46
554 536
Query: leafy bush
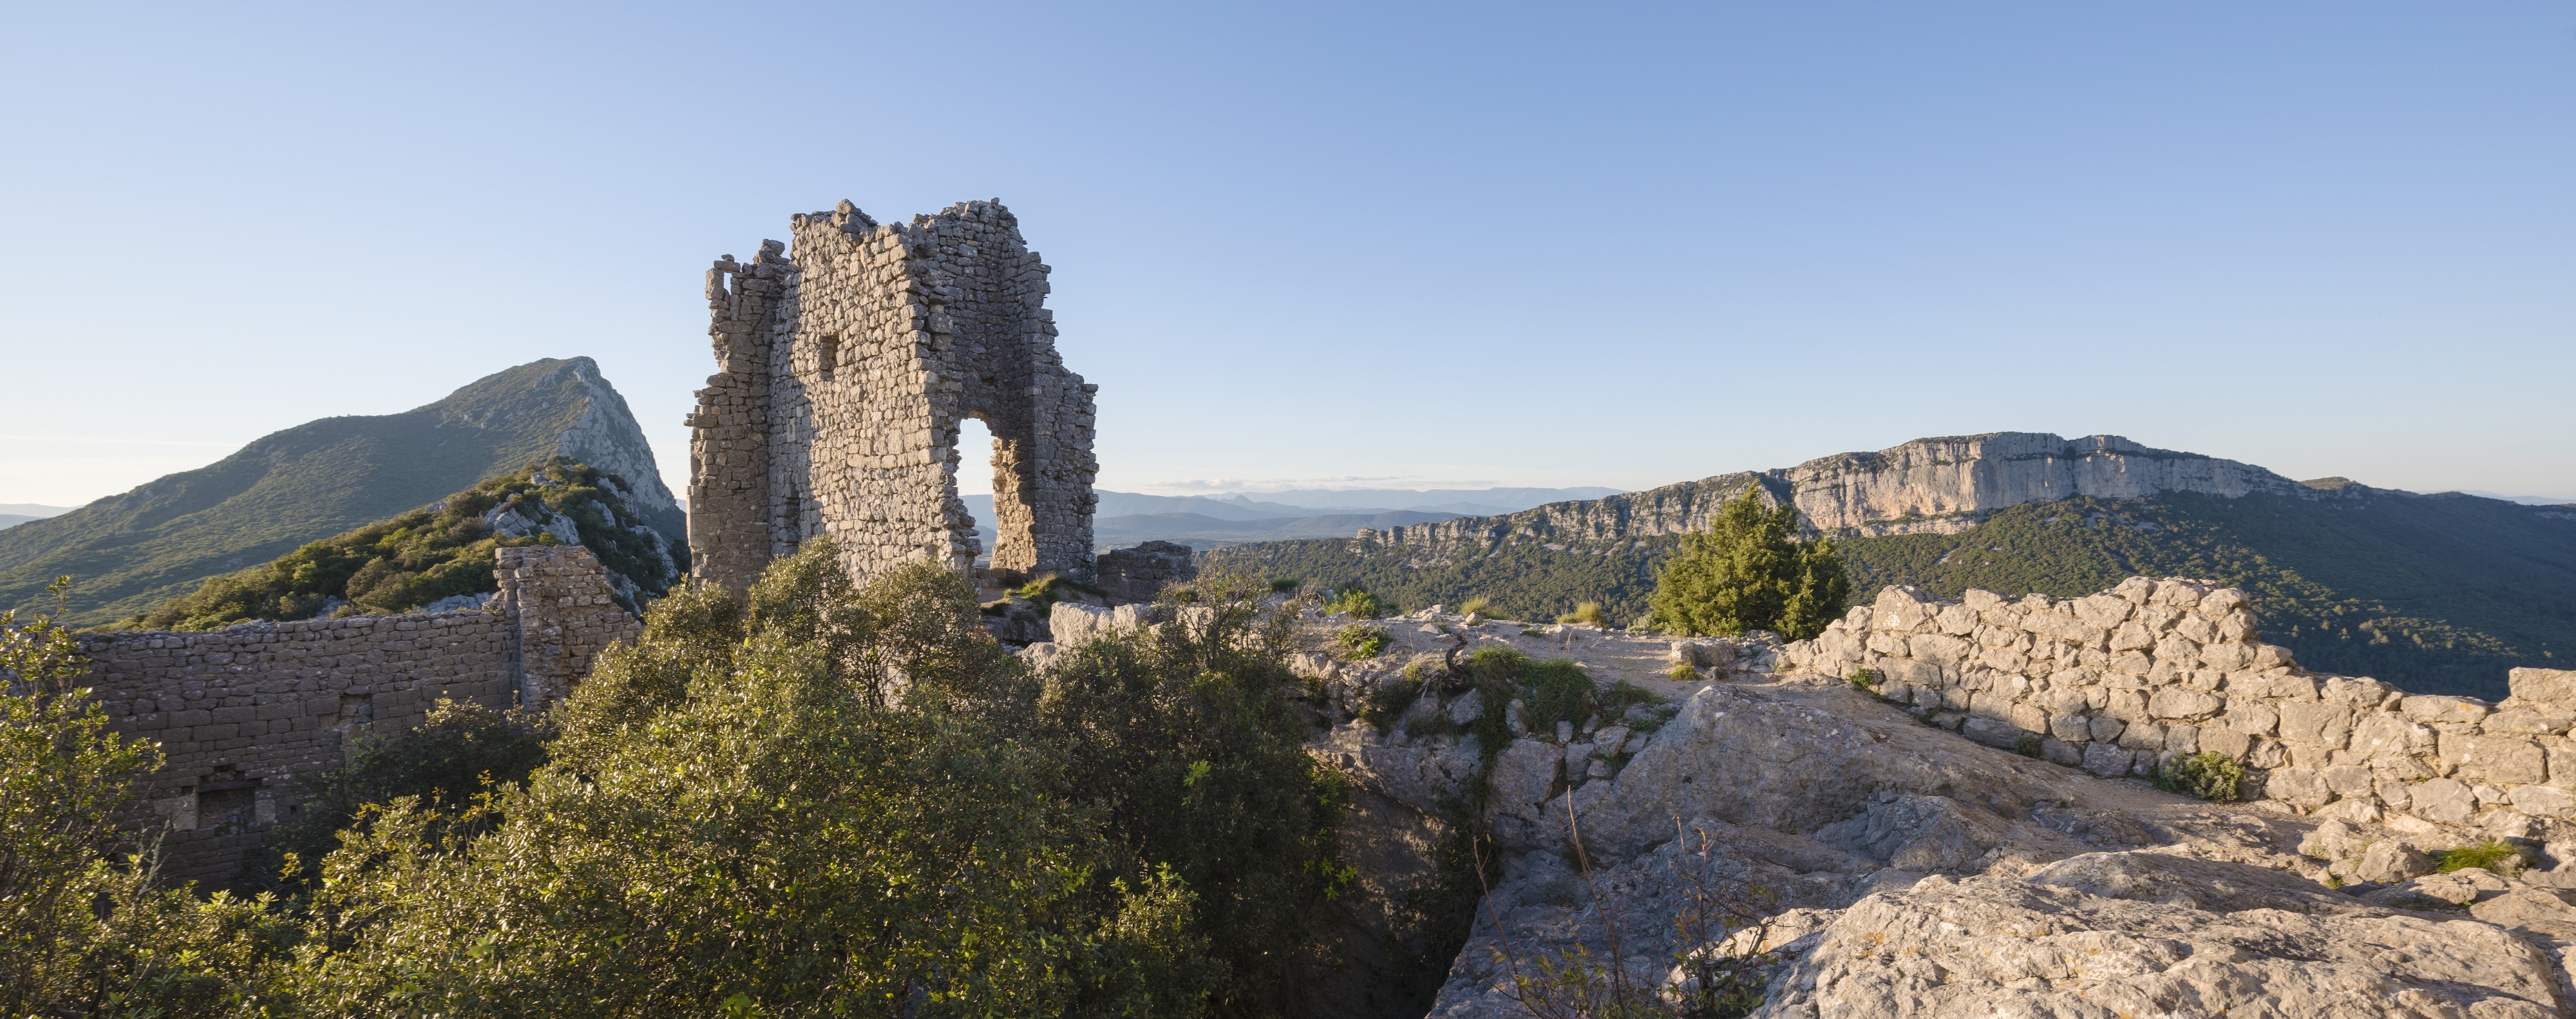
1360 640
428 554
1359 603
1681 672
2211 776
2491 853
1747 573
739 811
1587 612
1189 743
1285 585
1864 680
452 755
80 934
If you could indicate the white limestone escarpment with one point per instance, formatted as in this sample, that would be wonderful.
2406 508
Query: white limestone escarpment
1938 485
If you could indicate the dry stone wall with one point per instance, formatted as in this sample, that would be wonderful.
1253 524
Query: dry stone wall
2125 681
241 713
846 371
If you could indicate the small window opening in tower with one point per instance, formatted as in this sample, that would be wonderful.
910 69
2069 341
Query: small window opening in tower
975 482
827 355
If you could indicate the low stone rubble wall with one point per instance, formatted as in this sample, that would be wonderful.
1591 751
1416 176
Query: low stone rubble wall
2128 680
243 711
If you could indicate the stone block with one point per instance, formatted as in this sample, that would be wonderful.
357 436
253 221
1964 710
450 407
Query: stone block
2227 743
2543 800
2184 704
2443 800
2529 718
2325 725
2549 686
2299 786
2435 709
2107 760
2251 717
2502 760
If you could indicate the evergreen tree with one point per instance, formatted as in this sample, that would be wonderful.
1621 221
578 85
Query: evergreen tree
1748 572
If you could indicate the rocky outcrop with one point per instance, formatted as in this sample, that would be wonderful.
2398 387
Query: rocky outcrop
1936 485
1843 851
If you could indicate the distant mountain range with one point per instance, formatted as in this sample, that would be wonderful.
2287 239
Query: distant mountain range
14 513
2438 593
1232 518
133 551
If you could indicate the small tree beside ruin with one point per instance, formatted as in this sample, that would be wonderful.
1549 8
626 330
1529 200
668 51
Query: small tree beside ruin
1748 571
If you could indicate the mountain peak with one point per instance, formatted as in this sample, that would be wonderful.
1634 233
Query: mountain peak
136 549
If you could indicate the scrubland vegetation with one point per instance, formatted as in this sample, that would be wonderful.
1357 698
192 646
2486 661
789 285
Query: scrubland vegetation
807 799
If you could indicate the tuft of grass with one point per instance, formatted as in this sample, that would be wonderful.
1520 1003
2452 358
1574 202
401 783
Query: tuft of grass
1478 605
1682 672
2027 745
1359 603
1586 612
1043 592
2211 776
1865 680
2490 853
1360 640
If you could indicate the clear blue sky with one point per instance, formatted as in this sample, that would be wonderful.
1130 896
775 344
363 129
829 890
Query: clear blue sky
1418 245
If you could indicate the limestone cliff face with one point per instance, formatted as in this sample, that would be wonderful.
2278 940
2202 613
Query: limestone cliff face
1894 491
1937 485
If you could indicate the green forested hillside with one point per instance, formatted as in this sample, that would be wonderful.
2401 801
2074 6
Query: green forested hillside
2436 593
130 552
422 556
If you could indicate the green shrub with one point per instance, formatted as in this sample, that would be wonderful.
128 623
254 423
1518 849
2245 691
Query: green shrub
1285 585
1864 680
1389 701
1360 640
1190 743
2209 775
1747 573
80 934
1586 612
1477 605
452 755
1681 672
1359 603
2027 745
2491 853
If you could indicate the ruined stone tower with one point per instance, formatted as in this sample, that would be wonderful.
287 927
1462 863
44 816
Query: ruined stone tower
845 368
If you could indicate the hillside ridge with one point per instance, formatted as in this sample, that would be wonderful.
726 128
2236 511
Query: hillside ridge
139 548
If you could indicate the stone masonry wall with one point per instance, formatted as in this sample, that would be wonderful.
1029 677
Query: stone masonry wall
242 712
2125 681
847 372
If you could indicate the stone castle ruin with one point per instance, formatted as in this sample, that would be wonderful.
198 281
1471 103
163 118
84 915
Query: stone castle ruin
847 364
